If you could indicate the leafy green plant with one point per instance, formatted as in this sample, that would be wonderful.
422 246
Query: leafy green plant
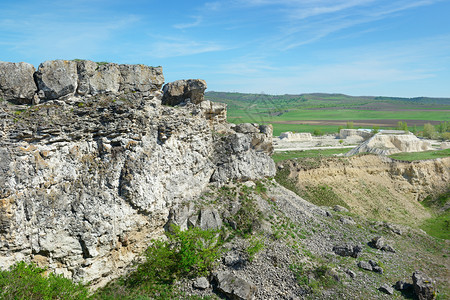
185 254
27 281
256 245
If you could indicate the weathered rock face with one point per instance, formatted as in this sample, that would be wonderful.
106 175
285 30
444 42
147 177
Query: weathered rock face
16 82
85 187
393 186
179 91
57 79
387 144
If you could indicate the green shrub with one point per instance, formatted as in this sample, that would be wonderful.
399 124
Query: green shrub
27 281
189 253
256 245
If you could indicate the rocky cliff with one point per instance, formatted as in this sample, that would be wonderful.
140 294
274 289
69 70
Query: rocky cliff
90 172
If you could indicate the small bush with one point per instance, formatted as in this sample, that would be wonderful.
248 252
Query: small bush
256 245
27 281
187 254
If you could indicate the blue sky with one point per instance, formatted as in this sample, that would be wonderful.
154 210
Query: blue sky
356 47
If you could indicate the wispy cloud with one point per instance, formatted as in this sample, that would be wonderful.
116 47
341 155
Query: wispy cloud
197 21
164 49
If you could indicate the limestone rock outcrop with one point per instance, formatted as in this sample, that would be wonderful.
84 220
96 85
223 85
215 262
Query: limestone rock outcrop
16 82
62 79
86 184
181 90
386 143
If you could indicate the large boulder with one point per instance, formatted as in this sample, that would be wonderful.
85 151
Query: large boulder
423 286
17 82
181 90
141 78
234 287
57 78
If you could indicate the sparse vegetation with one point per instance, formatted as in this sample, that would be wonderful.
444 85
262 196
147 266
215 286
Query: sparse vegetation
411 156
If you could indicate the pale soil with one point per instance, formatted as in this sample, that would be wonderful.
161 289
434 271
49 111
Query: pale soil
329 141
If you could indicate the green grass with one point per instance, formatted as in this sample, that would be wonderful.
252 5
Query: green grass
438 226
284 155
411 156
262 108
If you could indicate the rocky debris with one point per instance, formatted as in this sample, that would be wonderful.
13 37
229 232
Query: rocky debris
201 283
295 137
379 243
385 143
387 289
365 265
423 286
182 91
234 287
339 208
17 82
234 259
347 250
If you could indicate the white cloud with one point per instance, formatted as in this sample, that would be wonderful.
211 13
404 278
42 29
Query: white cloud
195 23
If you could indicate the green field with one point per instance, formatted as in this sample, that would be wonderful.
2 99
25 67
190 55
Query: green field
410 156
327 112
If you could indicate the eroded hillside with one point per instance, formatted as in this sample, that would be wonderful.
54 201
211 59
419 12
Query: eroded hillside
371 185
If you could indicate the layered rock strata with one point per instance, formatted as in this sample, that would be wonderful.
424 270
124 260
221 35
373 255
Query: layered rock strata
86 183
57 79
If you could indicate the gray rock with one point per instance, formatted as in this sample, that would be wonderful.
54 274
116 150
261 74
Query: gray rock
377 242
234 287
347 221
17 82
377 269
180 91
57 78
234 260
365 265
347 250
246 128
423 286
386 289
201 283
141 78
350 273
388 248
210 219
339 208
380 243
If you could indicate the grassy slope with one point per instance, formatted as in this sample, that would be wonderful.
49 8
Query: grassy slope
411 156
